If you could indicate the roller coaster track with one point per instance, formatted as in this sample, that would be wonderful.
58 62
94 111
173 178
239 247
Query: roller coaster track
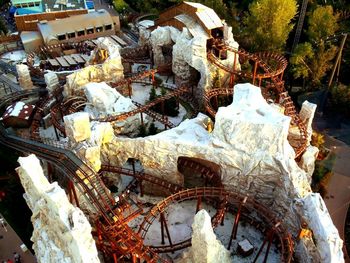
156 116
233 199
276 85
173 188
126 242
143 108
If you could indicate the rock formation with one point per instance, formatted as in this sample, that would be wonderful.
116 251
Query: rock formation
205 247
189 52
77 126
110 70
24 79
249 146
104 100
51 81
61 232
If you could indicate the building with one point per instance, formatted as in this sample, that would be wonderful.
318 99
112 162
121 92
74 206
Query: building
29 22
24 7
72 29
18 115
179 15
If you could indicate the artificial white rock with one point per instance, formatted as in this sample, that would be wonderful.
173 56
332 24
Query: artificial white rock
189 51
105 100
205 247
92 155
249 144
77 126
24 79
110 70
307 161
329 244
307 114
101 132
101 96
51 81
61 232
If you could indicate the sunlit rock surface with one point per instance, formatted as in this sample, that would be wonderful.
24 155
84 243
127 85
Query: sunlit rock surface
77 126
110 70
189 52
205 247
61 232
329 244
249 146
106 101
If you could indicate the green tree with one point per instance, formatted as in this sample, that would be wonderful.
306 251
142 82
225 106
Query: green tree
268 23
322 23
300 59
142 131
321 62
152 94
152 130
120 5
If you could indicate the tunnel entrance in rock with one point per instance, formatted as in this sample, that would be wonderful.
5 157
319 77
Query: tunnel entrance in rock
195 77
167 51
199 172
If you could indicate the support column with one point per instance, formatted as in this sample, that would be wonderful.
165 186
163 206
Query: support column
235 225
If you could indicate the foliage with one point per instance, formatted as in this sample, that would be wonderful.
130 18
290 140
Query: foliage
321 63
152 130
170 105
322 23
152 94
216 80
3 27
151 6
340 99
268 23
312 60
120 5
317 139
322 175
300 59
142 131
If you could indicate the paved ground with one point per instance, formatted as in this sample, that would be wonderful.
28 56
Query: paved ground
338 197
10 243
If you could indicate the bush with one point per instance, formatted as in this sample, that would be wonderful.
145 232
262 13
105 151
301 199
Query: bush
170 105
152 130
340 99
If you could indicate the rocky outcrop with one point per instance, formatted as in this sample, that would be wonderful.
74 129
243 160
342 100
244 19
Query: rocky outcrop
205 247
249 144
251 152
51 81
77 126
110 70
307 114
61 232
316 216
104 100
189 53
24 79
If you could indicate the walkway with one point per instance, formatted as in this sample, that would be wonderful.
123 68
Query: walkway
338 197
10 242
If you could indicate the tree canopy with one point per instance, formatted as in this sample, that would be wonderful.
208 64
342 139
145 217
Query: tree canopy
322 23
268 23
300 59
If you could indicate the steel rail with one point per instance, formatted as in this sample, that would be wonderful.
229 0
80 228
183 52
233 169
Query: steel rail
84 177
